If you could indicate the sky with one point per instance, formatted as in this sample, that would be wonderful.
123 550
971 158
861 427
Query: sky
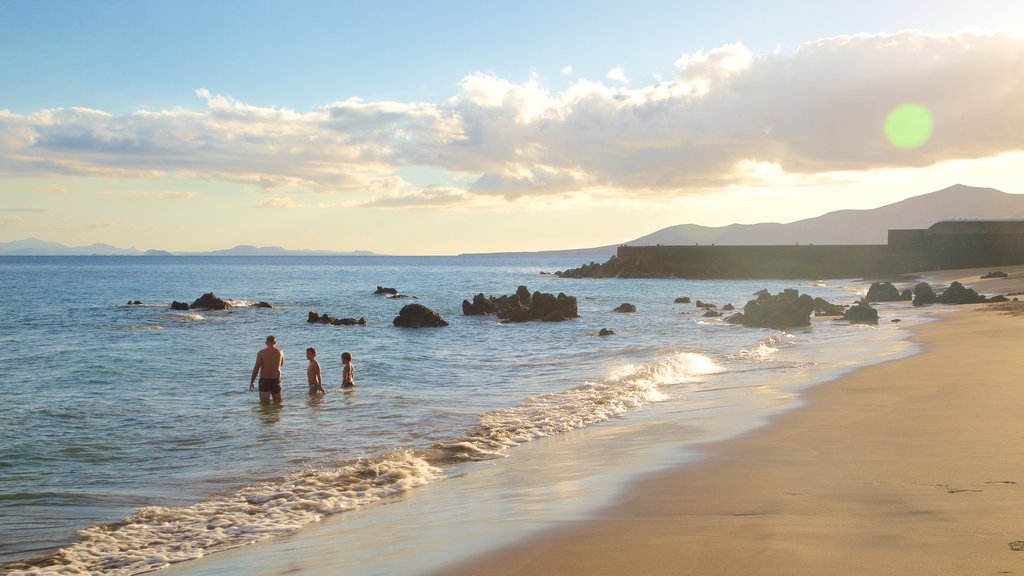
446 127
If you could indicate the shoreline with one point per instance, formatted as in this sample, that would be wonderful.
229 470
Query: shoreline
911 466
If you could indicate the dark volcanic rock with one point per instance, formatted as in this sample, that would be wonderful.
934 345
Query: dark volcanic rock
683 300
524 306
861 313
383 290
787 309
704 305
710 313
996 274
179 305
605 332
262 305
823 307
883 292
728 308
418 316
134 302
210 301
314 318
626 307
480 306
923 294
958 294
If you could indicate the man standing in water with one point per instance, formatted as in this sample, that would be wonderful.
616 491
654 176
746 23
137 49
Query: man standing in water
268 368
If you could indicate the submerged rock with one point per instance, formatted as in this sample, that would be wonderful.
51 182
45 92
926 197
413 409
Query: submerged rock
626 307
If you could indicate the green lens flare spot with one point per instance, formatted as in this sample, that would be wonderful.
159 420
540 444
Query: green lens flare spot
909 126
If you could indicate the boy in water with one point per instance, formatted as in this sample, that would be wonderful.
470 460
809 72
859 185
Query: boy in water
316 383
348 371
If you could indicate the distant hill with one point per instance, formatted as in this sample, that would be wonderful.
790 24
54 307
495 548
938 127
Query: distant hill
37 247
872 226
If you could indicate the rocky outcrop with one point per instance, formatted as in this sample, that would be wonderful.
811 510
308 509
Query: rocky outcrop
683 300
210 301
823 307
262 305
135 302
728 308
996 274
524 306
480 306
884 292
786 309
315 318
861 313
179 305
418 316
957 293
386 291
711 313
924 295
606 332
625 307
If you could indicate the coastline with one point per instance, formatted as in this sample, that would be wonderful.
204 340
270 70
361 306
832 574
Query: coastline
911 466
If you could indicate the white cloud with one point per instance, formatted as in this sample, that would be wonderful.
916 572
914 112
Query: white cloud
726 119
617 74
567 69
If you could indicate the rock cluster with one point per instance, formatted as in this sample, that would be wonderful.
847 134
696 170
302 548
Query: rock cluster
886 292
179 305
958 294
786 309
996 274
315 318
523 306
418 316
861 313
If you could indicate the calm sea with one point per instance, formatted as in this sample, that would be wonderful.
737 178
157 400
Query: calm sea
129 439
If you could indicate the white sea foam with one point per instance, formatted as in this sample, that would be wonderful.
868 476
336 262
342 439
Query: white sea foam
765 350
155 536
626 388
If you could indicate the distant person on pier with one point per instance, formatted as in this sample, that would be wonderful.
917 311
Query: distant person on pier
268 367
316 383
348 371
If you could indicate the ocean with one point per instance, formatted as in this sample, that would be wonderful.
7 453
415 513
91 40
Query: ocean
130 440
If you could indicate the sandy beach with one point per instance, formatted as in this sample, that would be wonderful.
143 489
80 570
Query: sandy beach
913 466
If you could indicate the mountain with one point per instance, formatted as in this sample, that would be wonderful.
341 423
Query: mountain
957 202
37 247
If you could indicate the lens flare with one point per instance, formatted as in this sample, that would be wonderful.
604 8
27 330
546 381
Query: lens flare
909 126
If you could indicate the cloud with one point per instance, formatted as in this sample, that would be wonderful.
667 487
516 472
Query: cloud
617 74
567 70
23 210
726 118
277 202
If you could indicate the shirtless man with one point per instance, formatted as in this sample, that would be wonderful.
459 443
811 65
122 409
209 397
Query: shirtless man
268 368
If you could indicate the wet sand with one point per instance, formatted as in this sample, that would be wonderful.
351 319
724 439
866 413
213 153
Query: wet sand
914 466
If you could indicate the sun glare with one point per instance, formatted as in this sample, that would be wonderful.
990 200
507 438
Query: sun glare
909 126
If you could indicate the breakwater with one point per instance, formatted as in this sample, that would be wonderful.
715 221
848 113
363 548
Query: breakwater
943 246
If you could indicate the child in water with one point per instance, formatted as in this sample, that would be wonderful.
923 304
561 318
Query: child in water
316 383
348 371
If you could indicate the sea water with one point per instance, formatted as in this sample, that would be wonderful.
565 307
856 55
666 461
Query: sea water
130 441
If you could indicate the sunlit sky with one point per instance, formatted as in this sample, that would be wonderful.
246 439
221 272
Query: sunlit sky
445 127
